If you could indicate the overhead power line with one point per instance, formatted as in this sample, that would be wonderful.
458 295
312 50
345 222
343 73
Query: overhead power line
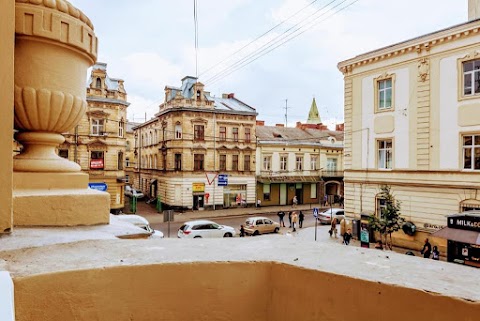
263 52
257 38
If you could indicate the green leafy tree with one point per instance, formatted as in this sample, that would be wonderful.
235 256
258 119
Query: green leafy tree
390 220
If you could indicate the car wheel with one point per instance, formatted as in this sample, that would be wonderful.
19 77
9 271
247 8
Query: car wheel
197 237
256 233
228 235
276 230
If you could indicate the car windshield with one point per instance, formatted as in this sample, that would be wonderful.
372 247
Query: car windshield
183 227
214 225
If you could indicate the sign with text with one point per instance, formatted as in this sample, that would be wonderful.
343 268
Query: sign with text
223 180
198 187
464 222
98 186
96 163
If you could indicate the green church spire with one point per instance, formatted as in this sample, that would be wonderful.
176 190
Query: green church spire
313 116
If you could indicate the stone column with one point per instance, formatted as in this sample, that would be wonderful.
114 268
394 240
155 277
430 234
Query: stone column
54 46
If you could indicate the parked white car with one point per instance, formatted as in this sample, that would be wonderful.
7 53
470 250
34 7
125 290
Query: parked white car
326 216
129 191
204 228
141 222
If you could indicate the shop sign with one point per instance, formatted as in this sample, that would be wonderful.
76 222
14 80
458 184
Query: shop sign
96 163
433 226
198 187
99 187
464 222
223 180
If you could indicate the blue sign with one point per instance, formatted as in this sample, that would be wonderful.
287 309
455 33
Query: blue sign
222 179
315 212
98 186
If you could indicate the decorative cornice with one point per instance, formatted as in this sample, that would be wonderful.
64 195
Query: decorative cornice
418 45
58 21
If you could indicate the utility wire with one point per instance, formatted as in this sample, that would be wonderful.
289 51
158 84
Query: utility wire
257 38
195 21
282 43
274 40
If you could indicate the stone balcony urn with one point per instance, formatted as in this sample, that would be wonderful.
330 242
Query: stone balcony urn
54 46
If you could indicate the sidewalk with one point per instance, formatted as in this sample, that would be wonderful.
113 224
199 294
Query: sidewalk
151 214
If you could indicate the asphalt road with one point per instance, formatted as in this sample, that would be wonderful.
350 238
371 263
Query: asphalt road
232 221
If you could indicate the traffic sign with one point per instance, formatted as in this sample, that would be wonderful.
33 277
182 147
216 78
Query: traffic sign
98 186
315 212
222 179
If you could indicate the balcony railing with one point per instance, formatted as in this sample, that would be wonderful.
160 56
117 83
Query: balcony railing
331 173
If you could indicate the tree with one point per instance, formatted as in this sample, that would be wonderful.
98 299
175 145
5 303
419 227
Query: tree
390 220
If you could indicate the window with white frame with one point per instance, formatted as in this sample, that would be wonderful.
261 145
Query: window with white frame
381 207
313 162
97 126
299 163
471 77
267 163
384 94
121 128
385 151
331 164
178 131
283 162
471 152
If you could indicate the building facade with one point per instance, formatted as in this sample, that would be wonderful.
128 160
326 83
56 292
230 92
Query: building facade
412 121
305 161
98 144
199 150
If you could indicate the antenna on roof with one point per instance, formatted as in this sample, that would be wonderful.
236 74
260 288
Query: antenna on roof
286 112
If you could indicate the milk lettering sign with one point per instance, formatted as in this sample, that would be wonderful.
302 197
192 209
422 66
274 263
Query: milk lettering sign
464 222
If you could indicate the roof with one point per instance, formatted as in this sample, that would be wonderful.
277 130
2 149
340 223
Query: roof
284 134
131 125
110 83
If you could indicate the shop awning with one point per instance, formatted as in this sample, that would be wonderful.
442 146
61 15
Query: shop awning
288 179
463 236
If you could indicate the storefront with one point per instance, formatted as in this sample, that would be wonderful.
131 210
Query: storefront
463 235
198 193
234 195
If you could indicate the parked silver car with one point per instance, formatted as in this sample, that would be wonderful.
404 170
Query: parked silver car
130 191
326 216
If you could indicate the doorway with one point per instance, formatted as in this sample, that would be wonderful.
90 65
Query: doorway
198 202
283 194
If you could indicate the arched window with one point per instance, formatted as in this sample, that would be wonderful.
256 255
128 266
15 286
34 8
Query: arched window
199 95
121 128
178 131
98 83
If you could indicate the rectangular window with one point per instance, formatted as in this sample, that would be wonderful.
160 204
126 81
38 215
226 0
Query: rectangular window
283 162
299 163
385 154
267 163
384 94
331 164
97 127
235 134
178 162
381 206
266 192
198 162
199 132
223 133
471 77
247 135
178 131
121 128
120 161
313 162
246 162
223 162
313 190
96 160
471 152
234 162
63 153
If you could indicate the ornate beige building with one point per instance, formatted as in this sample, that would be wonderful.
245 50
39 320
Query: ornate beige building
194 138
412 121
98 144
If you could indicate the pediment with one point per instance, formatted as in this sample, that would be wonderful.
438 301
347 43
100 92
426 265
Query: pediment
97 114
199 120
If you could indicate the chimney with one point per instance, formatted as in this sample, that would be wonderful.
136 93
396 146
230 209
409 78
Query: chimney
279 125
260 123
473 9
231 95
224 96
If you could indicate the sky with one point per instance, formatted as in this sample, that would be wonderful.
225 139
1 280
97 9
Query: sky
151 44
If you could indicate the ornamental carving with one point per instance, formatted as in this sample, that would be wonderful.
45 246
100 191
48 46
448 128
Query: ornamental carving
423 69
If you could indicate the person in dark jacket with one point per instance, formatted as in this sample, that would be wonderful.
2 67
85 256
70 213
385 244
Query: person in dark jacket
435 253
281 215
427 249
290 219
301 217
347 236
242 231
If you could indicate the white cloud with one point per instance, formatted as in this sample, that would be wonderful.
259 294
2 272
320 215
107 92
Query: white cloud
141 108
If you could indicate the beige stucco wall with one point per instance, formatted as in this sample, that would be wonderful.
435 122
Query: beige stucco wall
224 291
7 33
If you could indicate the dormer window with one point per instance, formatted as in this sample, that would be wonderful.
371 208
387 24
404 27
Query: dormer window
199 95
98 83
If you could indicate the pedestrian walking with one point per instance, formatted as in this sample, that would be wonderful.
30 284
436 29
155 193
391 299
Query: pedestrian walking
242 231
325 200
290 219
259 203
333 228
426 250
281 215
294 220
295 201
347 236
301 217
435 253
